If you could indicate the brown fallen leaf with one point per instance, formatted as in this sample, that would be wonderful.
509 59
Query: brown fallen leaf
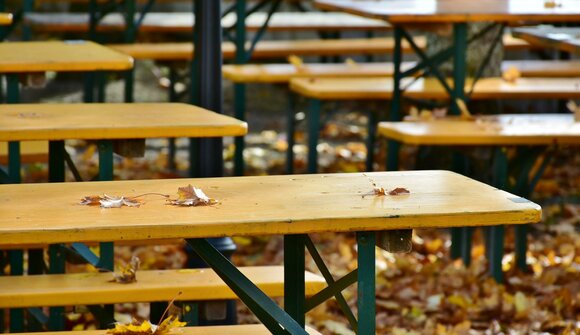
107 201
128 273
511 74
399 191
167 326
378 191
191 196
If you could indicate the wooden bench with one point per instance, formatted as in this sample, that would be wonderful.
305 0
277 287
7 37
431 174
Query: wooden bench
205 330
183 22
430 88
183 51
151 285
498 131
282 73
565 39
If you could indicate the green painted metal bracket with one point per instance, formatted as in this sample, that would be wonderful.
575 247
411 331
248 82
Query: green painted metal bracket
371 135
334 287
270 314
313 130
262 30
290 129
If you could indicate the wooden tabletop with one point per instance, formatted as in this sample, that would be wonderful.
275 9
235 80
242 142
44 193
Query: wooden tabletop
430 88
265 205
5 19
561 38
454 11
25 122
183 22
520 129
63 56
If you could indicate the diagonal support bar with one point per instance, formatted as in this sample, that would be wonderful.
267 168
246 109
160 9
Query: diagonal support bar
313 302
270 314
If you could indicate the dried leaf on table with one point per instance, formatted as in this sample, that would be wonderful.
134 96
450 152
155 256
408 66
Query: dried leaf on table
106 201
574 108
128 273
465 113
351 62
191 196
399 191
297 62
378 191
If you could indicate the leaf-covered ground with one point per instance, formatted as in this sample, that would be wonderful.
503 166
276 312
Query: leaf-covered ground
423 292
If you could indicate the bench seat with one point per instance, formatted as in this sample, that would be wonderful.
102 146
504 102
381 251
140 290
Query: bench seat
151 285
430 88
282 73
179 22
183 51
205 330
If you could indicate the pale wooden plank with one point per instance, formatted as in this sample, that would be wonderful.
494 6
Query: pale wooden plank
68 56
152 285
28 122
454 11
561 38
267 205
282 73
520 129
429 88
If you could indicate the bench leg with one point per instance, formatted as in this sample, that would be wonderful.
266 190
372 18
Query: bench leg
294 287
290 129
495 252
240 114
313 130
393 147
366 282
266 310
16 269
521 232
129 85
371 131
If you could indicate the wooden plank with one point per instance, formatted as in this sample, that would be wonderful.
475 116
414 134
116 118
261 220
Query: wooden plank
454 11
183 22
561 38
5 19
282 73
29 122
521 129
30 152
265 205
267 49
430 88
254 329
152 285
64 56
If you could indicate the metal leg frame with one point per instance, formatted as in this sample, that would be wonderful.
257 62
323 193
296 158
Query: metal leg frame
266 310
313 130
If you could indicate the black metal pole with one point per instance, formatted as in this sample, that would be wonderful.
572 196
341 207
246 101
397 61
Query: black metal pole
208 54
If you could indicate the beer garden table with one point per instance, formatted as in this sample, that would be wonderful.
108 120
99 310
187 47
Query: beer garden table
293 206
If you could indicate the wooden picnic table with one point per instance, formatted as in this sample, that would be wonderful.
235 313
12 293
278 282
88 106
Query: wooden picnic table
60 56
561 38
57 122
179 22
269 205
5 19
522 131
416 14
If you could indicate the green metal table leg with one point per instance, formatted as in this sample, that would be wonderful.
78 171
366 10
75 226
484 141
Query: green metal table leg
465 245
130 35
56 161
194 167
294 287
240 114
459 64
56 319
13 97
16 269
290 129
101 86
455 250
372 133
313 130
172 148
105 160
460 237
89 85
366 282
270 314
496 234
393 147
521 246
